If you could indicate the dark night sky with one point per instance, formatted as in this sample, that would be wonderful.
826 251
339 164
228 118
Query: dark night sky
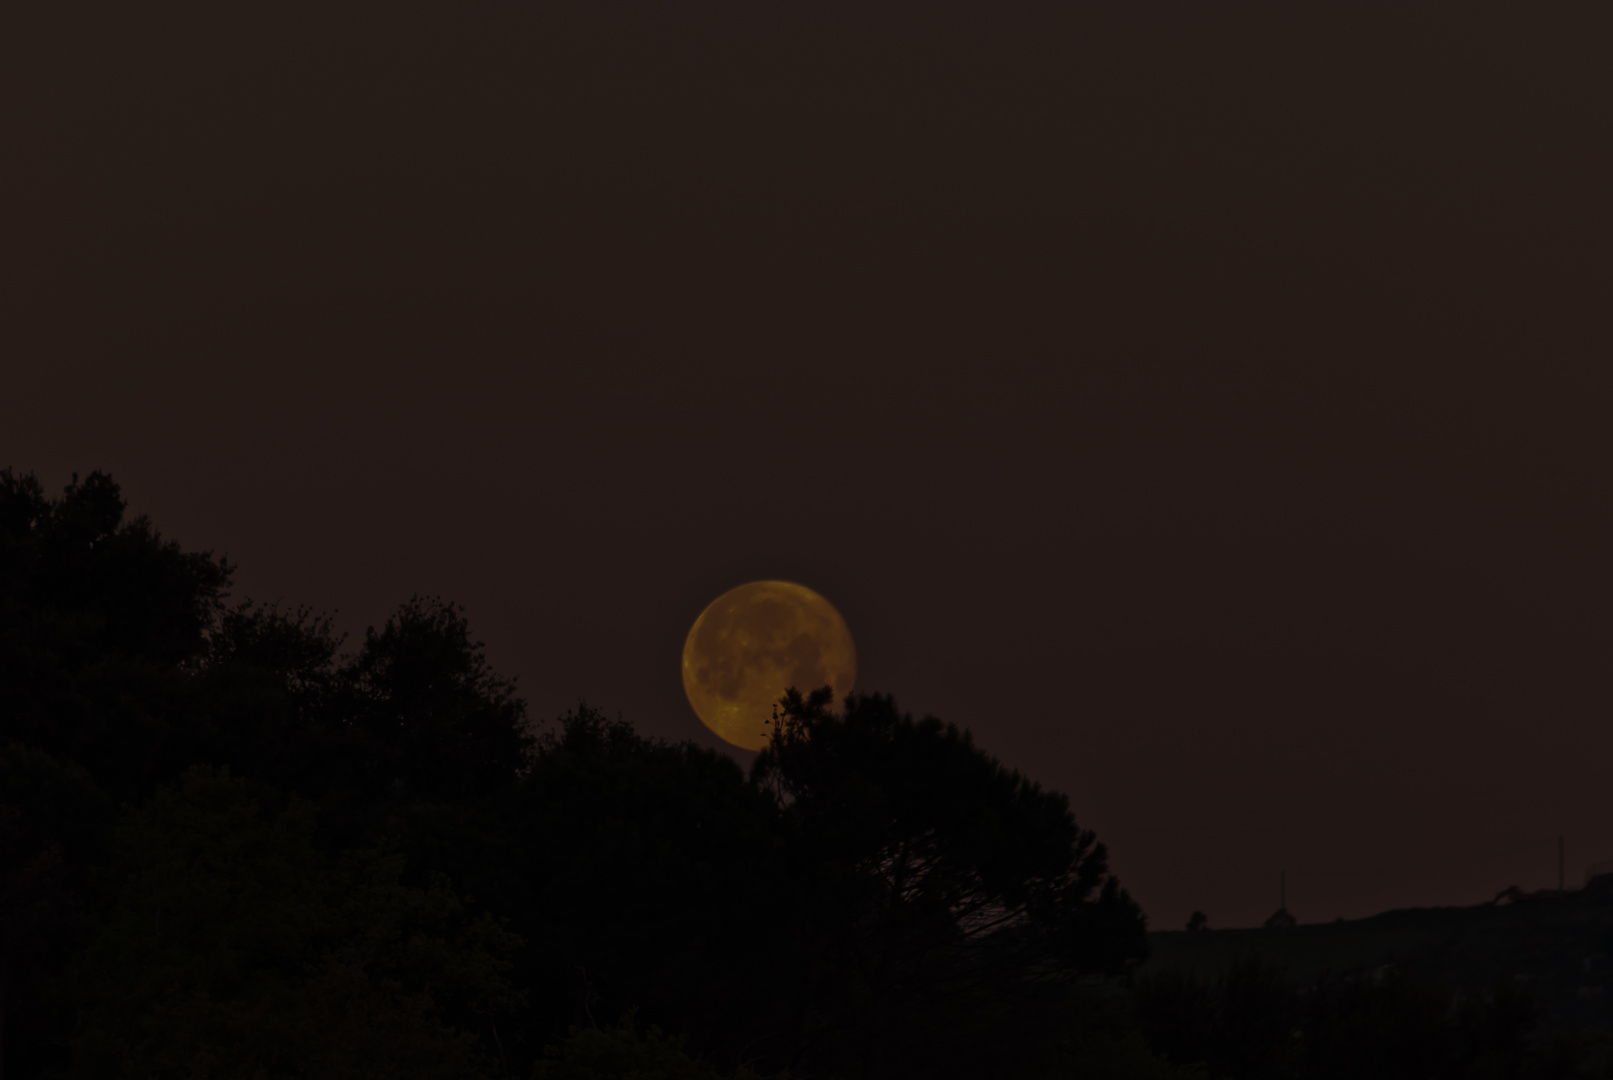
1207 407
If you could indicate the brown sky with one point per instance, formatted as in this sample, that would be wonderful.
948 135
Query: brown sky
1208 408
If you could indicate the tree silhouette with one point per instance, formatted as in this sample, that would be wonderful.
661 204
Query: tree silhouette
55 826
233 946
226 846
1254 1022
440 723
945 898
649 875
101 620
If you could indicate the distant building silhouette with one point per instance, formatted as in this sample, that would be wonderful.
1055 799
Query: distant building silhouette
1514 895
1598 882
1281 919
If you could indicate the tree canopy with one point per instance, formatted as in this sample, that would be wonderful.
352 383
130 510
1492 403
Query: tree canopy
232 845
237 829
945 899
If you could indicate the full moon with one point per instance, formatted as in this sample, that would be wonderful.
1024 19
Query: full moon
753 643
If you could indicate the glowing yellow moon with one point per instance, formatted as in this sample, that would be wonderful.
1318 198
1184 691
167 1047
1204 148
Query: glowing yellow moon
754 642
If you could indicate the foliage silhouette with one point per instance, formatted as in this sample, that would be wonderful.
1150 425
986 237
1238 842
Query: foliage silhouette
948 900
100 620
228 847
623 1053
649 875
55 827
1254 1023
440 723
231 946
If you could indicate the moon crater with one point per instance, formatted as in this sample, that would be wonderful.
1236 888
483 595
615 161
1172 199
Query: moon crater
754 642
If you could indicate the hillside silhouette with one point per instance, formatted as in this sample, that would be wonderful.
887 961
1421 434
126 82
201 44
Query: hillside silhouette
1560 949
232 846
